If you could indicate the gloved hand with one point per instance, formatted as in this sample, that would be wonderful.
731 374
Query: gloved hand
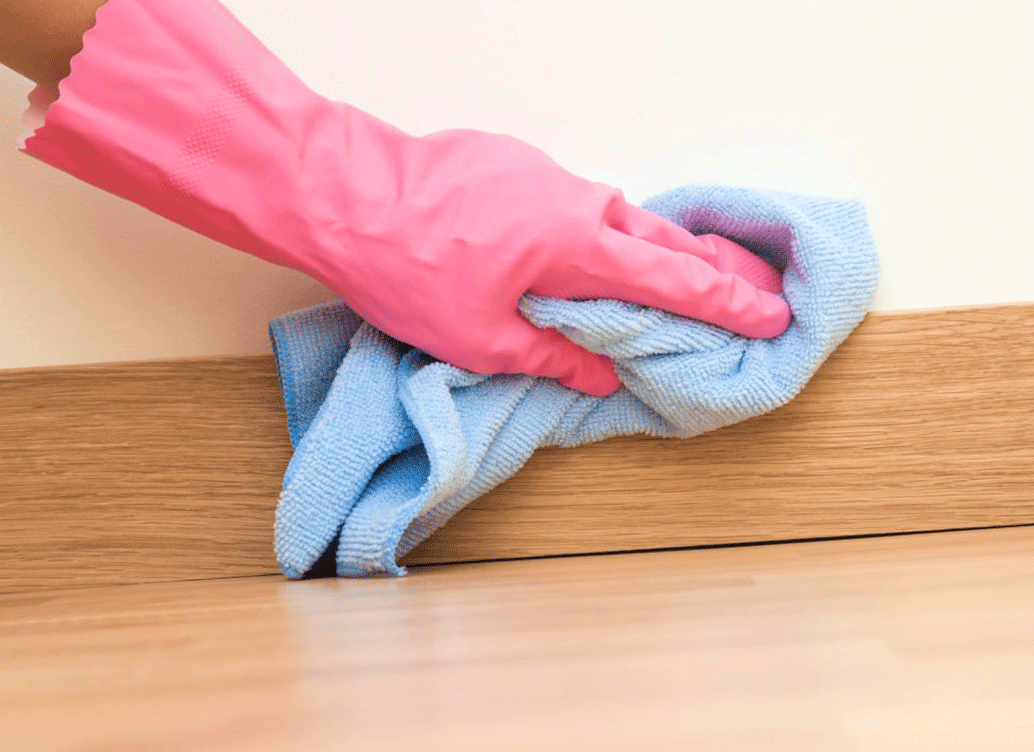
179 108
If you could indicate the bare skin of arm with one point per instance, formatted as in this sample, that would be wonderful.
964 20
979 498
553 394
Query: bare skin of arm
39 37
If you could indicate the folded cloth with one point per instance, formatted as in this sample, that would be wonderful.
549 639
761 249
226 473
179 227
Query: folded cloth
390 443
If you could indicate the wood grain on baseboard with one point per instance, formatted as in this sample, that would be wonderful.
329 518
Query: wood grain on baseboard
170 470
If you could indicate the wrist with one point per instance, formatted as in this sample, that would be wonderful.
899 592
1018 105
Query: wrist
177 107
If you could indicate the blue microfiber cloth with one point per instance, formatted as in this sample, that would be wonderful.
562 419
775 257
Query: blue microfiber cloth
390 443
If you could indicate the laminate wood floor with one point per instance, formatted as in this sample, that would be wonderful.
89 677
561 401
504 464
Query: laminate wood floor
918 642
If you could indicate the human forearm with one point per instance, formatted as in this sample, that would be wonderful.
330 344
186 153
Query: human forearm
39 37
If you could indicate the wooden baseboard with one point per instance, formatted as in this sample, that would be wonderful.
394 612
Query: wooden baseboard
170 470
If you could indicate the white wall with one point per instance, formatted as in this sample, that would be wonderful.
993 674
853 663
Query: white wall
922 109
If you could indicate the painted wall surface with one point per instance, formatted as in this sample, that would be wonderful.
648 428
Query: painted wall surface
923 109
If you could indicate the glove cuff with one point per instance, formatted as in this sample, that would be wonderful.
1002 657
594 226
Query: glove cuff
179 108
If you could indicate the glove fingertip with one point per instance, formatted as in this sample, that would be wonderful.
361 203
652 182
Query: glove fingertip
598 379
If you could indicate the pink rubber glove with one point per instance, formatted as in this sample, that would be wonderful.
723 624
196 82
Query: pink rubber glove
177 107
